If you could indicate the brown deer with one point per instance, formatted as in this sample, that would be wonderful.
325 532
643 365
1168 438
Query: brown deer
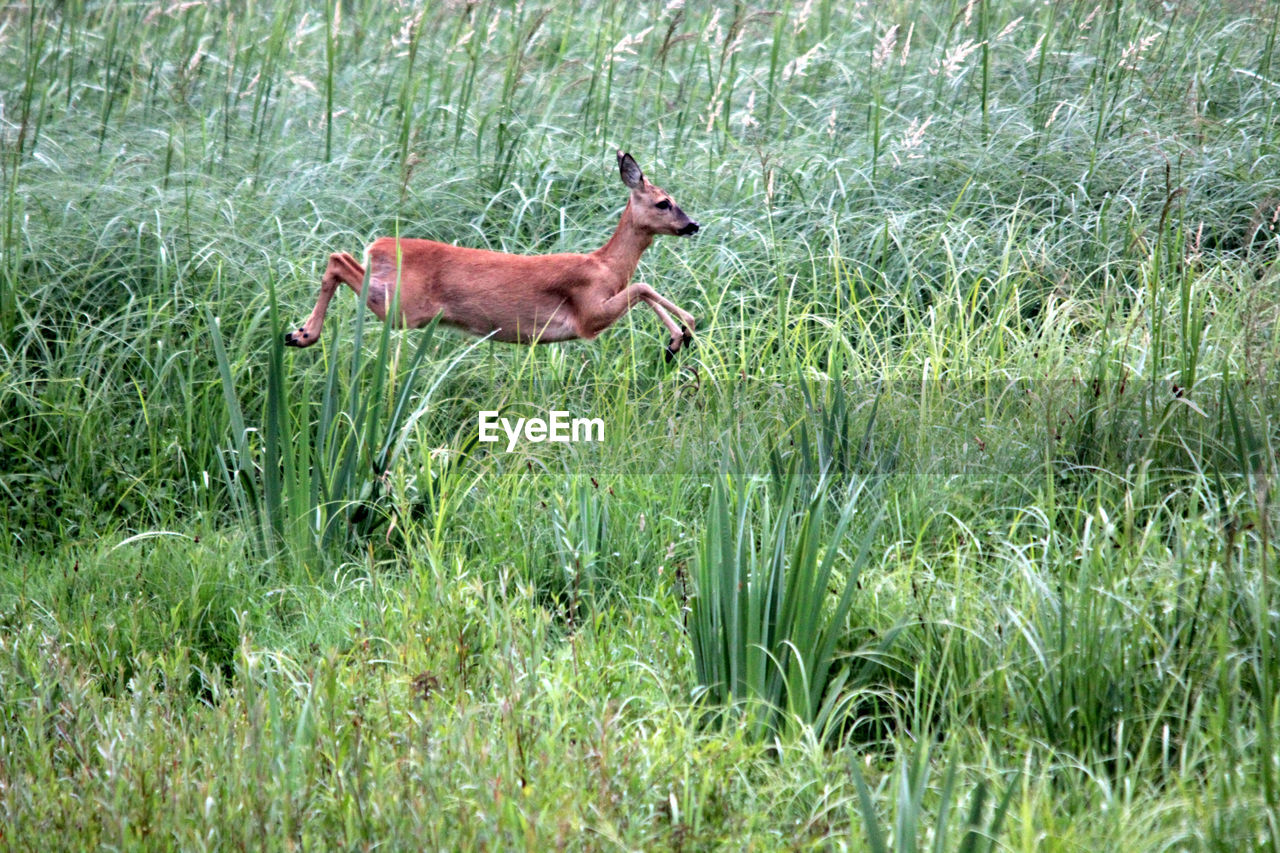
517 298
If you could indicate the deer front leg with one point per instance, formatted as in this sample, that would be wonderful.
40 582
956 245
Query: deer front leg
608 312
679 334
660 306
342 269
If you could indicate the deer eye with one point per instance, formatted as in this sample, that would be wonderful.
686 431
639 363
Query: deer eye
663 205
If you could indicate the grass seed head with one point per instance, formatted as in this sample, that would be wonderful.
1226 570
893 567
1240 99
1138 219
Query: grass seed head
884 47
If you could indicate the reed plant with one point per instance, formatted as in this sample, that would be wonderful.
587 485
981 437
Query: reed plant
762 632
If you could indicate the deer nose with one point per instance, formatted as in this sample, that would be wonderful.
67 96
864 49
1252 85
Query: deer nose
691 228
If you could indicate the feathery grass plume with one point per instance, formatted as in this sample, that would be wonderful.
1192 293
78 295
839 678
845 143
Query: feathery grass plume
950 64
1087 23
1009 29
408 29
715 104
803 14
1034 53
1053 116
913 137
1134 50
627 46
748 119
492 30
713 33
884 48
796 67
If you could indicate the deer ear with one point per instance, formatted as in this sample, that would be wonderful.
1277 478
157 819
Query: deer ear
630 171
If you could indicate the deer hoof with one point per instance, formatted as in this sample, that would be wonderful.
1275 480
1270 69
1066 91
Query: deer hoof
669 351
688 336
296 339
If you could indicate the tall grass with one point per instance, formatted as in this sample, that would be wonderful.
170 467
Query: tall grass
998 273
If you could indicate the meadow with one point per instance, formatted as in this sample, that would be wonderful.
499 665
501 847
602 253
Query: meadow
954 531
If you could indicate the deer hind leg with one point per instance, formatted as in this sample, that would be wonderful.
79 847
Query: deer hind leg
342 269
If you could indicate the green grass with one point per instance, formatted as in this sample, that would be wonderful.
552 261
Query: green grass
1004 271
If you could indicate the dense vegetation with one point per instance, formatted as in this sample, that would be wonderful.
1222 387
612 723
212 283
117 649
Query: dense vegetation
954 529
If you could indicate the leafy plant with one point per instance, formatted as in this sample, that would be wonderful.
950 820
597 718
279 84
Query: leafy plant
310 483
910 785
764 629
580 523
827 443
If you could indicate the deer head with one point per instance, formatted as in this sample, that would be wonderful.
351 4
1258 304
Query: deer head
652 208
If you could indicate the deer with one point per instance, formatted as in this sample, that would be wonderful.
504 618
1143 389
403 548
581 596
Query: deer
515 298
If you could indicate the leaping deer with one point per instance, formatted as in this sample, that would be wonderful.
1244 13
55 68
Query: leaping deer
517 298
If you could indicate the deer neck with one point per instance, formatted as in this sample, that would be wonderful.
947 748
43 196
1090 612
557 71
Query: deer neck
622 253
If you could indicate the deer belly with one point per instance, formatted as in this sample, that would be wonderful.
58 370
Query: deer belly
532 328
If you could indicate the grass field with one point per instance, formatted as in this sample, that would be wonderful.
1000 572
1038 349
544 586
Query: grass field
954 531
